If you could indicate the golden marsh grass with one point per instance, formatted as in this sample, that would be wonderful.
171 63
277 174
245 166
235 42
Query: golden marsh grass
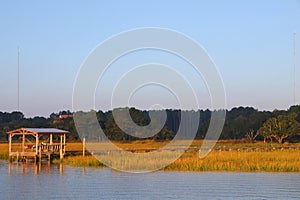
233 159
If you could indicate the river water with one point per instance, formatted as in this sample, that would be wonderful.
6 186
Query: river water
35 182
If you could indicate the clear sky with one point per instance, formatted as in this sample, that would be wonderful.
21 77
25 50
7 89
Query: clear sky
251 43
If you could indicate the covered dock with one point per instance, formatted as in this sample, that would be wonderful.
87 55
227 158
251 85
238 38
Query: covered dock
44 142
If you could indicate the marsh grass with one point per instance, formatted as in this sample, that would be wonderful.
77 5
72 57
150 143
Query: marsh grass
80 161
243 161
256 160
4 152
139 162
273 161
4 156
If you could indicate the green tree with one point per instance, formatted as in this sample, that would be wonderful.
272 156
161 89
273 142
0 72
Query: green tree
280 127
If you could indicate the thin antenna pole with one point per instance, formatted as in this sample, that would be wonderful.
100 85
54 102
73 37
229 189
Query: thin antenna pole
18 78
294 68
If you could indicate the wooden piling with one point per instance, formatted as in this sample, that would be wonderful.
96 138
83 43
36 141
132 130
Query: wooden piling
61 155
40 153
83 146
23 143
9 146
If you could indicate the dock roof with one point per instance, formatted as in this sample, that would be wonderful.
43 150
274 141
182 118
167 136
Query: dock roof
37 131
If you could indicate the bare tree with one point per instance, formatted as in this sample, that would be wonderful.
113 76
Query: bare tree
251 135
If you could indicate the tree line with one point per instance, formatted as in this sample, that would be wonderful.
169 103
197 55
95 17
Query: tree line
241 123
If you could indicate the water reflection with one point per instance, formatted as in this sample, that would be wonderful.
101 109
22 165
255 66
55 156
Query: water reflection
54 181
34 168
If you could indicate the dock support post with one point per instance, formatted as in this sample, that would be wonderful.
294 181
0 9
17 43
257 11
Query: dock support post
61 155
51 138
36 146
9 146
83 147
23 143
64 147
40 154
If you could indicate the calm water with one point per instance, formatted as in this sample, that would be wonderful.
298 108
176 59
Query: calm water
28 181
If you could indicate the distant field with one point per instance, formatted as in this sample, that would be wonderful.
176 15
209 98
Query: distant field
226 156
225 145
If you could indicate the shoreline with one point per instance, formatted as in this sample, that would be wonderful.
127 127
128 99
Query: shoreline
239 157
216 162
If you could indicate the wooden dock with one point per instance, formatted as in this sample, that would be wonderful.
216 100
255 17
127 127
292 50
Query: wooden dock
42 147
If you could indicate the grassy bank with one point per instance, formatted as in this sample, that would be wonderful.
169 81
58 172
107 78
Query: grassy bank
226 156
275 161
80 161
3 151
255 161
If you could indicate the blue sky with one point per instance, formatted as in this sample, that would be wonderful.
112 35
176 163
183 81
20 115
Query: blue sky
250 42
